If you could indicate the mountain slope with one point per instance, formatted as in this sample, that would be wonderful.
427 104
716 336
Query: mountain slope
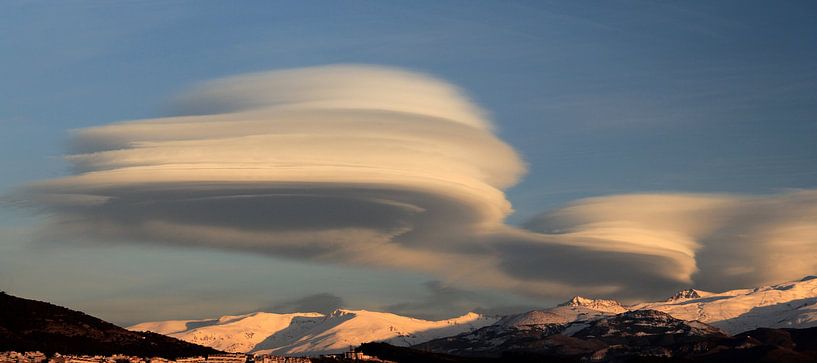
788 305
312 333
760 345
575 309
230 333
530 327
568 328
29 325
642 332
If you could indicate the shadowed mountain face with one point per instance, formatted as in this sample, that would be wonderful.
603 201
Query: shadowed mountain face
644 330
29 325
790 304
756 346
636 336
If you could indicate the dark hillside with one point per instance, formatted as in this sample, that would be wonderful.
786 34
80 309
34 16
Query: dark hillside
29 325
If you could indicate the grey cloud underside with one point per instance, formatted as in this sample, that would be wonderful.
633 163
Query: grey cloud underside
265 211
441 302
641 273
373 166
254 208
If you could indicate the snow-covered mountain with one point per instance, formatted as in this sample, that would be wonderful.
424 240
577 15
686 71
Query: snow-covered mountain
788 305
700 313
575 309
230 333
521 332
311 333
609 306
602 337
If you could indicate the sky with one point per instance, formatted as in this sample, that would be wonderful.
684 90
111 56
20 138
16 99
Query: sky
427 158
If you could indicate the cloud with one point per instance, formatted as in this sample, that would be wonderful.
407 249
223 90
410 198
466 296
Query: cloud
380 167
444 301
642 242
355 152
355 165
318 303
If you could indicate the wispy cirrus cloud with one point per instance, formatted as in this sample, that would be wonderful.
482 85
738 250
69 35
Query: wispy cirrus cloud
380 167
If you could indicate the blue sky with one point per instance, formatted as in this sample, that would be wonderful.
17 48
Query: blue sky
598 98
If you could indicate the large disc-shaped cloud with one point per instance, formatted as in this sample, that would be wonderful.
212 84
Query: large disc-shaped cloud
382 167
306 162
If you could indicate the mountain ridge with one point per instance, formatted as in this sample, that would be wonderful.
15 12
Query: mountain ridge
312 333
760 345
601 338
791 304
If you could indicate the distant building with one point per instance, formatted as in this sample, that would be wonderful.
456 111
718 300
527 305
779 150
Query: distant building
57 358
35 357
83 359
227 358
38 357
360 356
267 358
27 357
12 357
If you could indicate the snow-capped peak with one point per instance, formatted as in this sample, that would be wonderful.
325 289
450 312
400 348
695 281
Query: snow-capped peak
595 304
468 316
343 312
688 294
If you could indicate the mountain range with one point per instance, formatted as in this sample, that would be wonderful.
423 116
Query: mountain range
312 333
766 324
787 305
697 313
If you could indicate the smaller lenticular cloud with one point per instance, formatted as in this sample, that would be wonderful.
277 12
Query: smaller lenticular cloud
651 241
381 167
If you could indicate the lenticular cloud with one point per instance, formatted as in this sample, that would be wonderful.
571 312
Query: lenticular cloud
381 167
328 162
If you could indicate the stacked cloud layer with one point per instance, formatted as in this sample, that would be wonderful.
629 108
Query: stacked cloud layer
383 167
